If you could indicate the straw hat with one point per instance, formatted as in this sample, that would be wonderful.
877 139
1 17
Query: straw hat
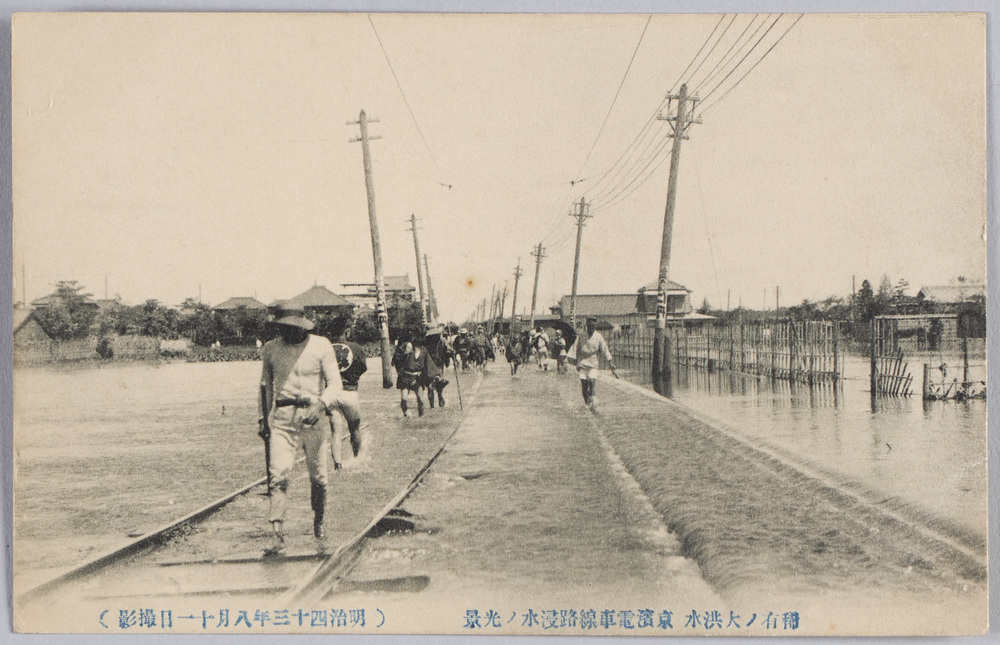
291 315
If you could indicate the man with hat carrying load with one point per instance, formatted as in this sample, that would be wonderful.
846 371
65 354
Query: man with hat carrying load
300 385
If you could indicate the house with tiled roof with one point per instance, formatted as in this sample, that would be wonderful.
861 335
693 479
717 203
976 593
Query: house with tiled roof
952 293
239 302
678 299
629 309
31 343
319 299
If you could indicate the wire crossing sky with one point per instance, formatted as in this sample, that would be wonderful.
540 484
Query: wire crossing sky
178 154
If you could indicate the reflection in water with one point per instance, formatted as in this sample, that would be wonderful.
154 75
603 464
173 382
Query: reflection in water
663 383
929 454
763 390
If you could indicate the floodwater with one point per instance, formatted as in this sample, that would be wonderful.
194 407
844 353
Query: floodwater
104 452
927 456
520 503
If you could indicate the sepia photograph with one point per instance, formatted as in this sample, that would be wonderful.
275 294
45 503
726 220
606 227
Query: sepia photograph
547 324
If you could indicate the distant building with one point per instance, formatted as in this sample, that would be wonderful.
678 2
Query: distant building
30 343
952 293
678 299
615 308
624 310
397 290
242 302
53 298
320 300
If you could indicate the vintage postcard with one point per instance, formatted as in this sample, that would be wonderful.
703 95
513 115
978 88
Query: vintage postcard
619 324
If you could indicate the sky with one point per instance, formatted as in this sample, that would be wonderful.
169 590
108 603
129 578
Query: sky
179 154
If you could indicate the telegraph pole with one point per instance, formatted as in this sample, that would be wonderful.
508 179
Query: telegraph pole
380 305
493 306
581 215
513 304
503 299
539 253
679 123
432 305
424 317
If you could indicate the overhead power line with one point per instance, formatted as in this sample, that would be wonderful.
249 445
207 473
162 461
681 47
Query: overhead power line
615 170
749 51
726 58
709 54
754 65
617 92
403 94
697 54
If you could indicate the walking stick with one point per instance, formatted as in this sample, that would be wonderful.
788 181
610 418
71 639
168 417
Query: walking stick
265 434
458 384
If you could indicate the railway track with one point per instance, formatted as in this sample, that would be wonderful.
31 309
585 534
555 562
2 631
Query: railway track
163 565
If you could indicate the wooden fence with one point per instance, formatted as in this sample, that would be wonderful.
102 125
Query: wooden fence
800 351
889 373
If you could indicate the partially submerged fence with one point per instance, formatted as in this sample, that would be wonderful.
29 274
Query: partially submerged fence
889 374
937 387
797 351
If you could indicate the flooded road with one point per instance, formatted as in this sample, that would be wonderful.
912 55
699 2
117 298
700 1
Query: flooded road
529 502
645 505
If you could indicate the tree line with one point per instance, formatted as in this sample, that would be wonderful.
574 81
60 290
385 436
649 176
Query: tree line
857 314
72 314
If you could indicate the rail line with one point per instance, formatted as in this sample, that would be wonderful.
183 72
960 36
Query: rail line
319 580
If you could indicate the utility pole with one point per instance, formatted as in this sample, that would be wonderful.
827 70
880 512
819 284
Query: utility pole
432 305
777 298
679 124
854 293
424 317
539 253
513 304
493 306
380 305
503 299
581 216
24 289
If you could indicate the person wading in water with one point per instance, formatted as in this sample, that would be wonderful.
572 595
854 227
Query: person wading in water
300 385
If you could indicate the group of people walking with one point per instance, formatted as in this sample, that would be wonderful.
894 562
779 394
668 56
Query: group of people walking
309 399
420 363
587 349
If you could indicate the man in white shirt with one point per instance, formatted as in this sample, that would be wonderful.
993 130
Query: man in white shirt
587 364
300 385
